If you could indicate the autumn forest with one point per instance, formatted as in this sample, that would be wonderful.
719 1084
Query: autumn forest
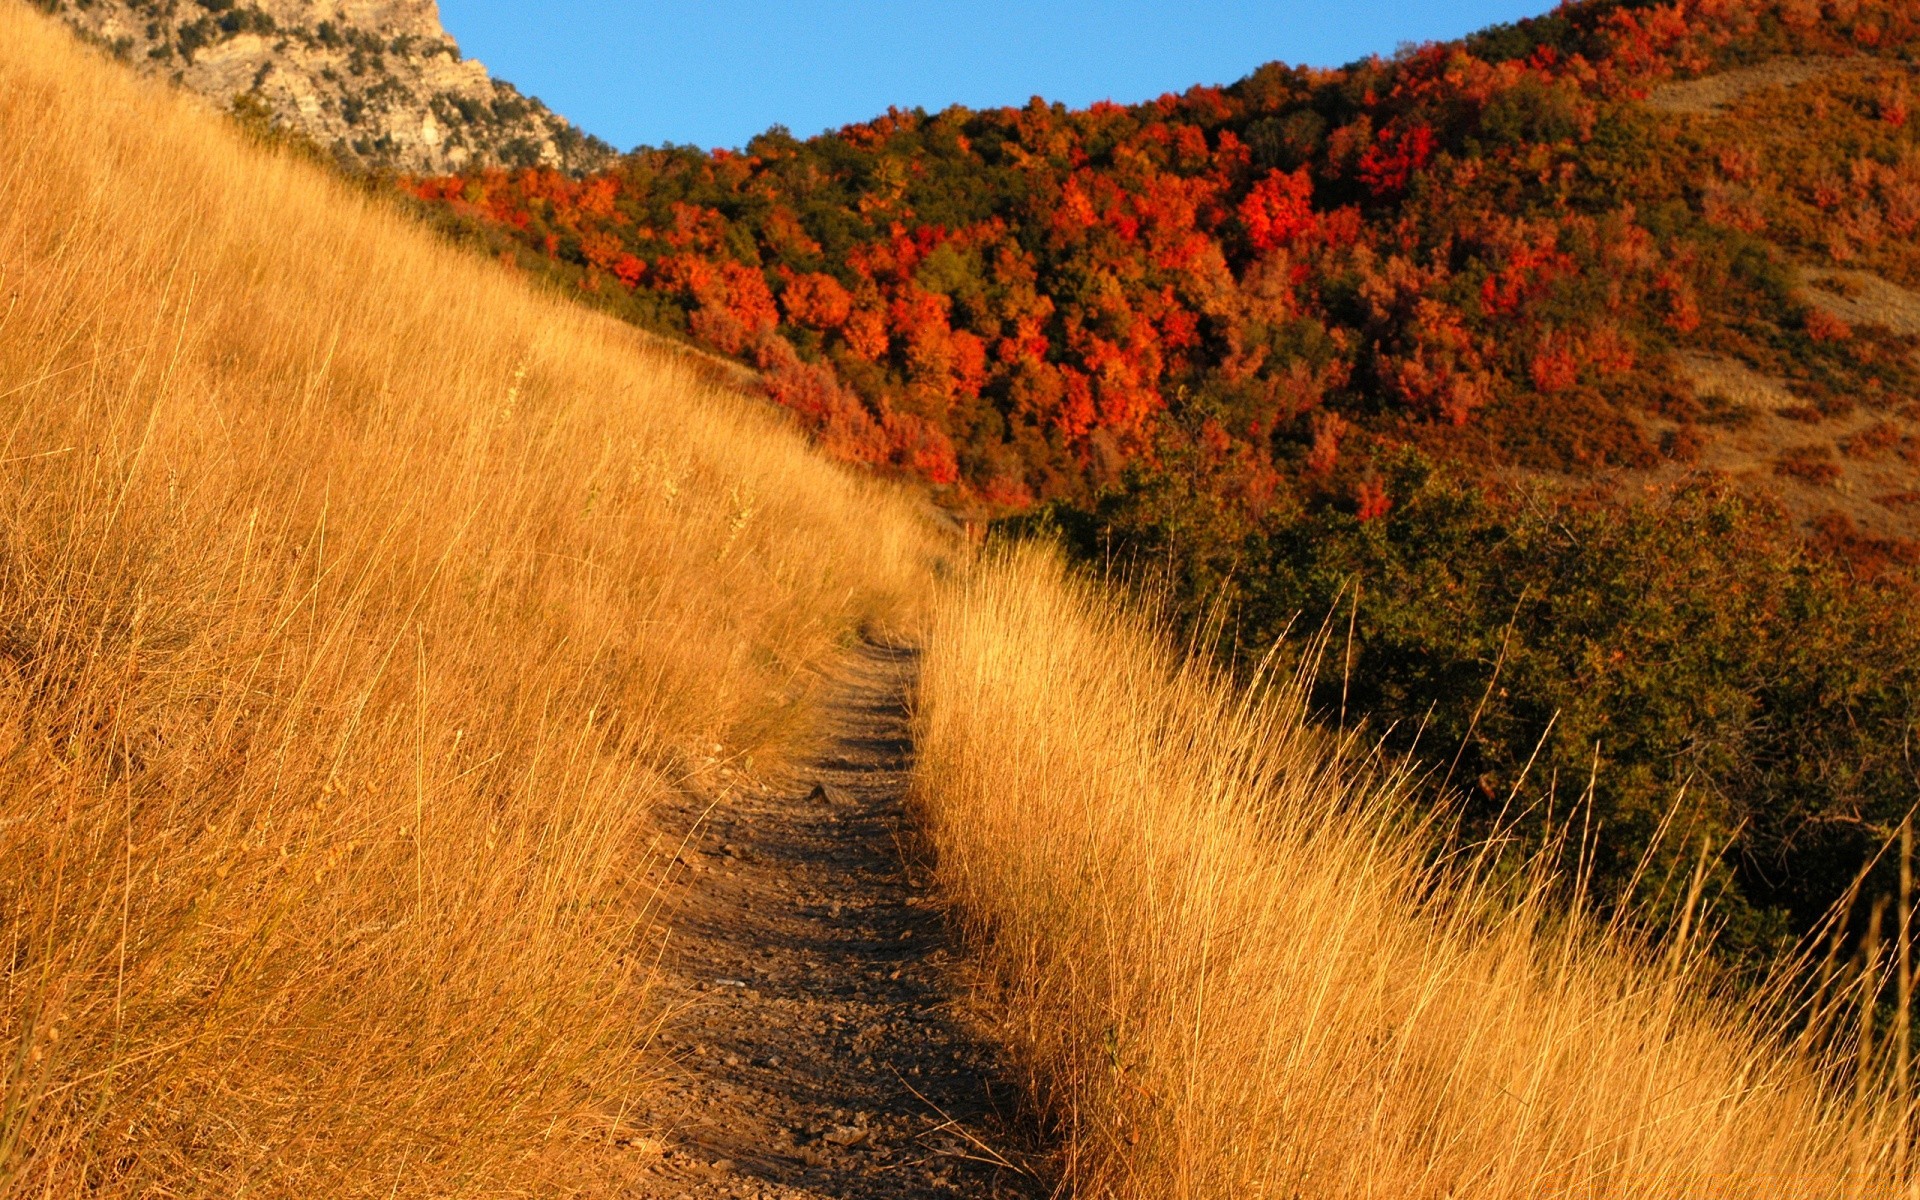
1494 248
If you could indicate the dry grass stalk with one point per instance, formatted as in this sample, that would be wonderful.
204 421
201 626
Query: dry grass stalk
355 601
1234 967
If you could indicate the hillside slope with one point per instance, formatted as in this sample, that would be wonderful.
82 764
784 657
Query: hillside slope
1622 237
356 605
1238 961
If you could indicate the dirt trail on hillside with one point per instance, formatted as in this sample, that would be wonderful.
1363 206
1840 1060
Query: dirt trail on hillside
816 1047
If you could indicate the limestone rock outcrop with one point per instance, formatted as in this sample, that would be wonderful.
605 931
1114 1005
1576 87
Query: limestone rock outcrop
378 83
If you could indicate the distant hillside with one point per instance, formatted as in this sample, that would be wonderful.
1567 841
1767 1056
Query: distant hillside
377 82
1624 237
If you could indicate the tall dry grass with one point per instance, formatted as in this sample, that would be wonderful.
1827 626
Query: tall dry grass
355 603
1234 967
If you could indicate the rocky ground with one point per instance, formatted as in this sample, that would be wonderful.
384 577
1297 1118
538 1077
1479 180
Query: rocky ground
817 1047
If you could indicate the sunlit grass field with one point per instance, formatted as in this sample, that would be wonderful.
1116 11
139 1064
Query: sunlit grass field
1238 957
358 600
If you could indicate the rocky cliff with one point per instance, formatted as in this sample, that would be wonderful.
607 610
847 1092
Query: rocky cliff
377 82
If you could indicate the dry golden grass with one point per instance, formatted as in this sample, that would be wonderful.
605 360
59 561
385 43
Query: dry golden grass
355 601
1233 967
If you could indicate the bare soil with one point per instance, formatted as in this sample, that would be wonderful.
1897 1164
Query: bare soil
1863 298
1712 92
1868 454
819 1044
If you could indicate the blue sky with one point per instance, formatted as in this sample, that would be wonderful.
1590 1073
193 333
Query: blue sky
718 72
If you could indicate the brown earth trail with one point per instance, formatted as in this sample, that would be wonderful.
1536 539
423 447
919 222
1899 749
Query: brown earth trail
817 1047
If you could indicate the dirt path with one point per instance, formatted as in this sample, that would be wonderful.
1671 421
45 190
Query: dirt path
816 1049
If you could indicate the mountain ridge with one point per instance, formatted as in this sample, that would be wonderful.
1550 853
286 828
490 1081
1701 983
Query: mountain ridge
377 83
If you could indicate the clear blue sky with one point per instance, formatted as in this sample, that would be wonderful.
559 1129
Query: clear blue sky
716 72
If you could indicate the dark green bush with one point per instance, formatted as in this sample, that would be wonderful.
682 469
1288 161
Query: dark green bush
1566 660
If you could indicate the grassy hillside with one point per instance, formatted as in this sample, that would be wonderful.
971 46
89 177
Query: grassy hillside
355 603
1236 962
1646 652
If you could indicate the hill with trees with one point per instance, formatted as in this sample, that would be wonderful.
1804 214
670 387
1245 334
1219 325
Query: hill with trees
1624 236
1576 357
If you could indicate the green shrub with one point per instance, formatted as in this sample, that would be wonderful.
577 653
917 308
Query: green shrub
1649 674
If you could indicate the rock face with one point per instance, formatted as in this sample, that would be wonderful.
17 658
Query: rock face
377 82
